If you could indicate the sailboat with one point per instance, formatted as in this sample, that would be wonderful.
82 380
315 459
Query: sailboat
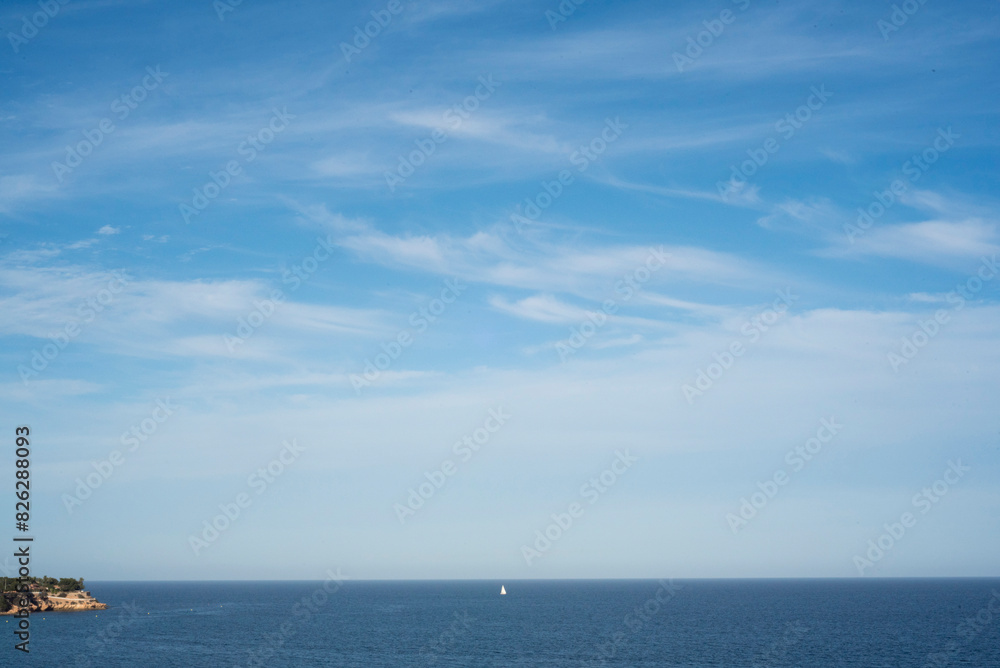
503 592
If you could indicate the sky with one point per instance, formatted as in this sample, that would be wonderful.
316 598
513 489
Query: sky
502 290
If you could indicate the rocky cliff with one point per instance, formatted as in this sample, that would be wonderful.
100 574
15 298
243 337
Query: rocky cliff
42 601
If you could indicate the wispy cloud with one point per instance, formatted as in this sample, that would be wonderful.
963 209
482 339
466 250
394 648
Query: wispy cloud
491 257
22 189
937 242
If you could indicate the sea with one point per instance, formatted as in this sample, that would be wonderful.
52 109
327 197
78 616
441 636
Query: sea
682 623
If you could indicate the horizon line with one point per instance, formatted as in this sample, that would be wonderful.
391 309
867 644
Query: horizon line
636 579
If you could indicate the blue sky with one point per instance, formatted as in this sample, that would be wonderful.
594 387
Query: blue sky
252 310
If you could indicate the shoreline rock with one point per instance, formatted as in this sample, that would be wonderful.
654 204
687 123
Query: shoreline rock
42 601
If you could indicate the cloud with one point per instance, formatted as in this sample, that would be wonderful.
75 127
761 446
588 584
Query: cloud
815 217
663 191
926 298
618 343
491 257
541 308
109 230
348 163
150 317
710 310
509 130
319 215
20 189
936 242
43 389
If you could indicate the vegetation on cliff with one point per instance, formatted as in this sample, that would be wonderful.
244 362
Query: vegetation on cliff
39 591
51 585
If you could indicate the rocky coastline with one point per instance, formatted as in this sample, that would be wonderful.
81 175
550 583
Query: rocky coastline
44 601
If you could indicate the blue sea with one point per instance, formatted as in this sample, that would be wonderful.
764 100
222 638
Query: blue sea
682 623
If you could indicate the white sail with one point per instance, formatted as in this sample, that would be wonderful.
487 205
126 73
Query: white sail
502 591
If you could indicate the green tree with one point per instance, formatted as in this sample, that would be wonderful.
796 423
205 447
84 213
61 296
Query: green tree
69 584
